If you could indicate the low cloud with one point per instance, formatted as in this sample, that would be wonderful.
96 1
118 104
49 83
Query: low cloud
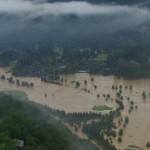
31 21
31 8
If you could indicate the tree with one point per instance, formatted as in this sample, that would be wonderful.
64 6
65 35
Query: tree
3 77
130 87
144 95
85 82
126 119
77 84
95 86
132 103
92 79
119 139
120 132
113 87
120 86
148 144
32 84
98 95
18 82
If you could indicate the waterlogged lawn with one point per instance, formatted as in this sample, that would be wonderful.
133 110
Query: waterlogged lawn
101 108
133 147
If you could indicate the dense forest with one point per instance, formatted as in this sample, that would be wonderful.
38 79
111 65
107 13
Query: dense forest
131 62
110 39
25 123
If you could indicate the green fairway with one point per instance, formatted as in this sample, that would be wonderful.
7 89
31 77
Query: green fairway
101 57
133 147
101 108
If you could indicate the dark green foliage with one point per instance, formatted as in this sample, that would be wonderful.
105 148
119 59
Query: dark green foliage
94 129
119 139
144 95
17 124
126 119
120 132
148 144
33 124
129 62
2 77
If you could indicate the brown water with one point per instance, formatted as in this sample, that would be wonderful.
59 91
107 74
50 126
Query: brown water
71 99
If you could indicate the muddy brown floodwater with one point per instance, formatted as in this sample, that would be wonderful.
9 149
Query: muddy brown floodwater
71 99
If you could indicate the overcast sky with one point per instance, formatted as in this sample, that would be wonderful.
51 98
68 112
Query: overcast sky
80 8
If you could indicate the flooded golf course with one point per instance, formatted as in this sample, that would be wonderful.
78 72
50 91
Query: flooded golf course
71 99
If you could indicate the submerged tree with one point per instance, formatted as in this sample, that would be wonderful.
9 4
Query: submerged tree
148 144
85 82
119 139
144 95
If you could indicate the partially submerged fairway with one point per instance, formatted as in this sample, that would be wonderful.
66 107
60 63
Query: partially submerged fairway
101 108
133 147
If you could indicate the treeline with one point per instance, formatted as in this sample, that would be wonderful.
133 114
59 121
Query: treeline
130 62
74 117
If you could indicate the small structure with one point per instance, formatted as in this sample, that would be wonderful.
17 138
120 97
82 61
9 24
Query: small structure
83 71
19 143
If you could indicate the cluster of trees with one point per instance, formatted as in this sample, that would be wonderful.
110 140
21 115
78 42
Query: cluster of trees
91 124
74 117
81 117
96 130
17 82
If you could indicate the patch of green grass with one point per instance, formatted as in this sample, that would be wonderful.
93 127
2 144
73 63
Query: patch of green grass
133 147
19 95
12 64
101 57
101 108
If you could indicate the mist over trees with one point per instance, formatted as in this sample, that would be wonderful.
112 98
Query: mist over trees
99 38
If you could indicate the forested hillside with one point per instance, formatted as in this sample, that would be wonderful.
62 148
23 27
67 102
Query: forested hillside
23 121
46 39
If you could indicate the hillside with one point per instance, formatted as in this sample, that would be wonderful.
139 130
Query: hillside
32 125
42 38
